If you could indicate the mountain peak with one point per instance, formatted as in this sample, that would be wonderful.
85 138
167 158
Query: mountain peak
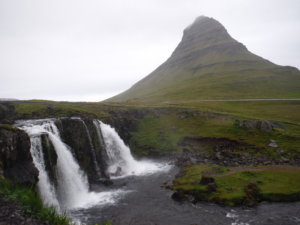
203 25
203 21
204 36
209 64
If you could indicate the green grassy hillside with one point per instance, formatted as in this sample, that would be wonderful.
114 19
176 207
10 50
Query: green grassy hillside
209 64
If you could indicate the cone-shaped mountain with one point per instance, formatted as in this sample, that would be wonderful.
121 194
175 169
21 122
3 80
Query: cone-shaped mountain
209 64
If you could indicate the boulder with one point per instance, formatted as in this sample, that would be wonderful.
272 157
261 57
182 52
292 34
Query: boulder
266 126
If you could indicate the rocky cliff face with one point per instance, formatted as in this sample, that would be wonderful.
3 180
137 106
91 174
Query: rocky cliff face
15 159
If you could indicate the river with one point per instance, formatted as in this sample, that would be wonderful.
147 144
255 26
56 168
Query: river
147 203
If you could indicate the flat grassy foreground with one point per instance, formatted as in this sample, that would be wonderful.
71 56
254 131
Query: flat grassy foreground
239 185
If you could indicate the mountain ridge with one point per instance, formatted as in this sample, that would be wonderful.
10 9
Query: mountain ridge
209 64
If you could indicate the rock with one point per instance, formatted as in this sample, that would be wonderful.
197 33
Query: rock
273 143
179 196
15 157
211 187
252 192
219 155
265 125
285 159
248 124
206 180
280 151
167 184
106 181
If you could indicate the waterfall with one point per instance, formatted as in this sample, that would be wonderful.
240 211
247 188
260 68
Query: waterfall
92 149
121 162
72 189
45 188
98 129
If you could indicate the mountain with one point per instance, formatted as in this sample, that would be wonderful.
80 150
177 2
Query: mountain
209 64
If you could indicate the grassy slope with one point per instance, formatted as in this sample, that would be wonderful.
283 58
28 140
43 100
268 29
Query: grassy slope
216 84
29 199
275 183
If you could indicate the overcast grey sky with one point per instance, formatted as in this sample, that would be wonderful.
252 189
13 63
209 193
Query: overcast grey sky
89 50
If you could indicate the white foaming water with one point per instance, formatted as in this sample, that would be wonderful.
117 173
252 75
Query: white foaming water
98 129
234 216
45 188
121 162
72 190
231 215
